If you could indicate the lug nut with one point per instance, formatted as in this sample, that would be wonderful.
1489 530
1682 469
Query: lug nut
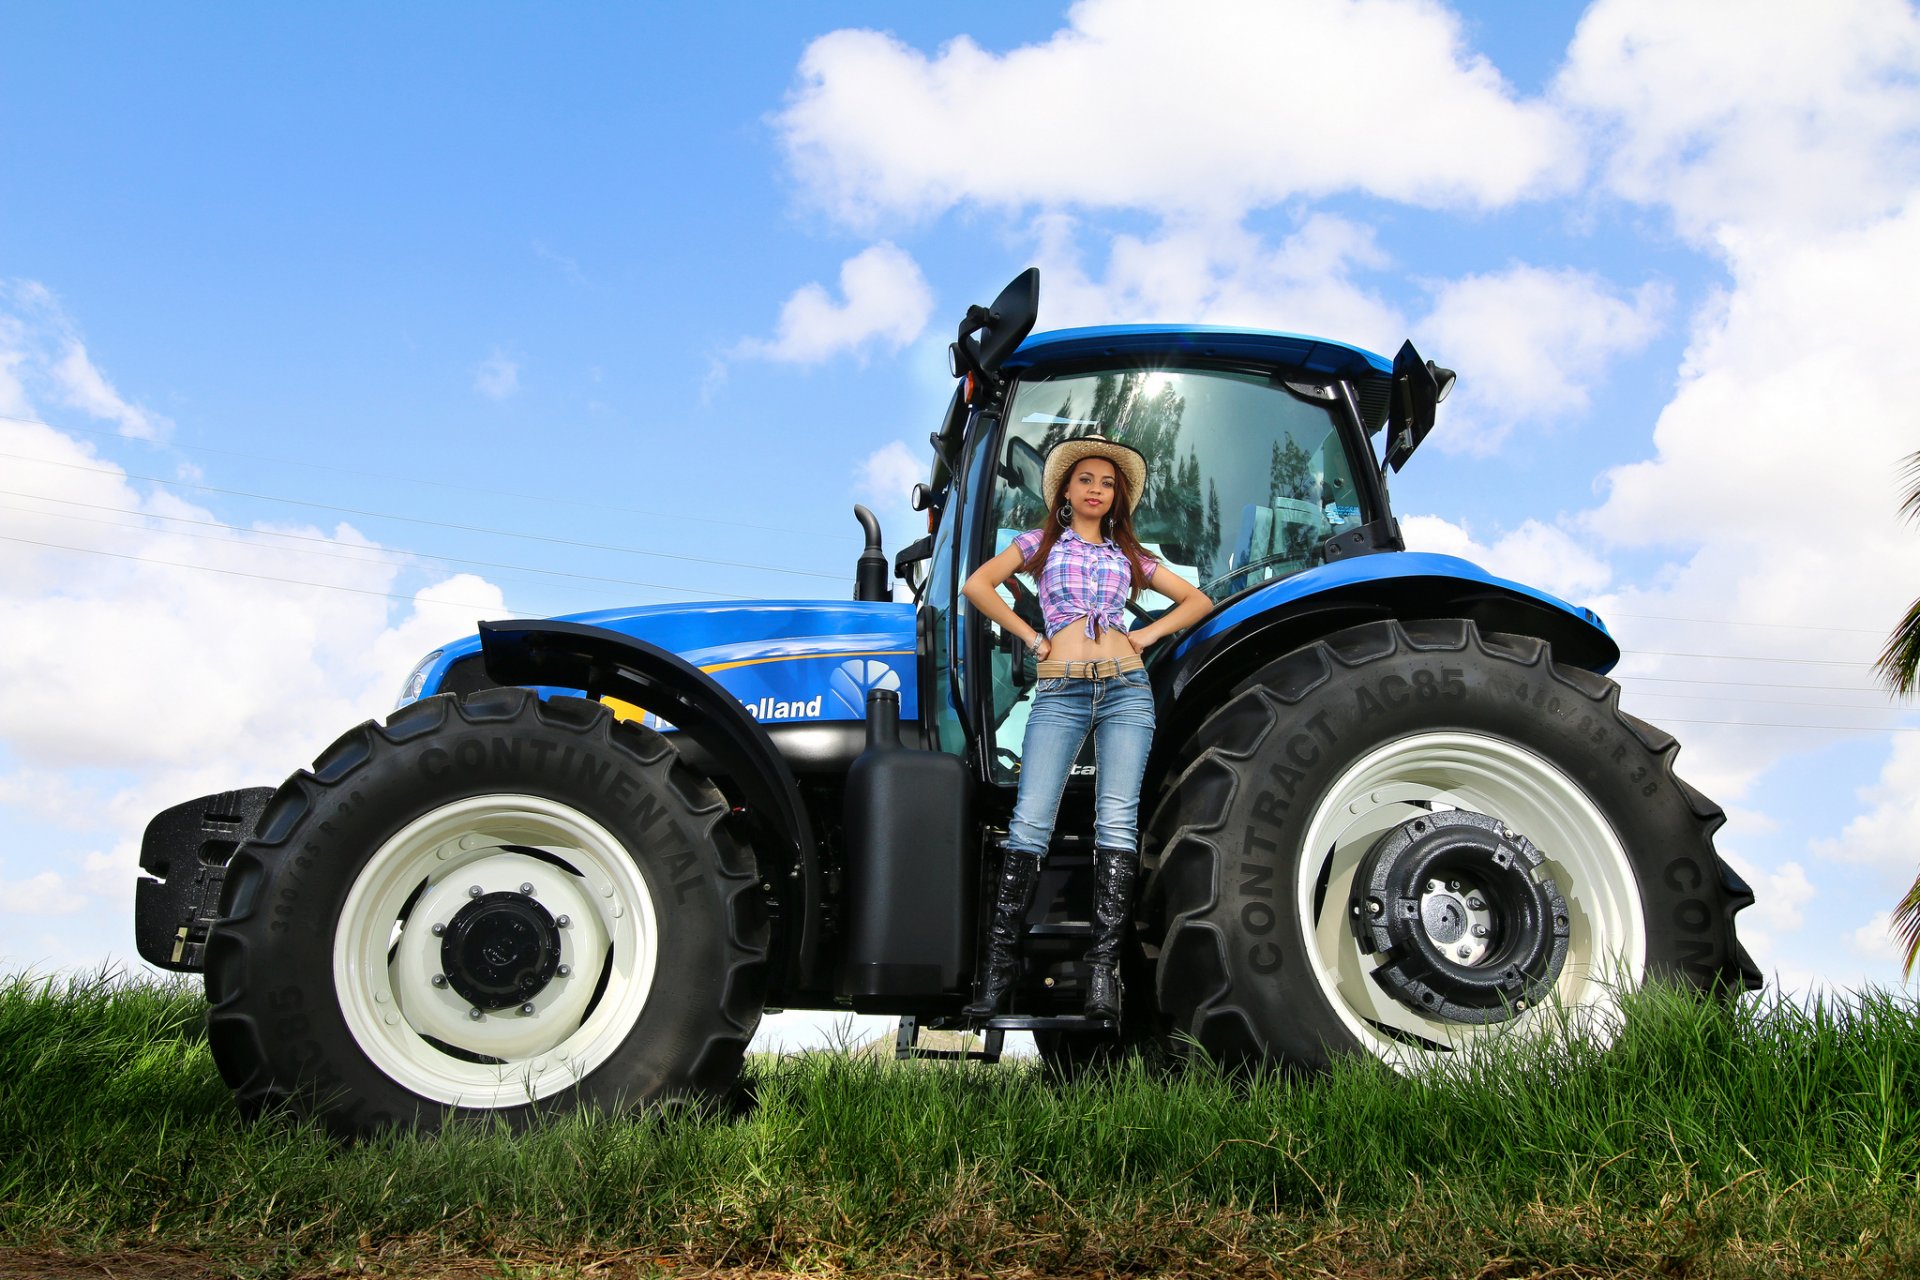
1433 886
439 929
1519 1005
1479 931
1466 953
564 970
473 891
1453 886
563 921
1373 907
527 888
473 1014
1476 904
526 1010
439 979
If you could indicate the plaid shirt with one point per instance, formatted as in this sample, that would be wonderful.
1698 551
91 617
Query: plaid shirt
1081 578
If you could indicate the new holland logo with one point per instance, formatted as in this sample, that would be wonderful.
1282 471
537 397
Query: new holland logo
853 679
846 693
773 709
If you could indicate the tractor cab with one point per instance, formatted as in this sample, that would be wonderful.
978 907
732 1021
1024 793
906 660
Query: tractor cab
1252 471
1262 465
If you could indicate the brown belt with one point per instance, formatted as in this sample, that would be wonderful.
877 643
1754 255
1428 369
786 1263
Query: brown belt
1098 669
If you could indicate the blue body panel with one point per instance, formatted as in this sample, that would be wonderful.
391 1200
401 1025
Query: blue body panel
1318 355
1375 568
785 660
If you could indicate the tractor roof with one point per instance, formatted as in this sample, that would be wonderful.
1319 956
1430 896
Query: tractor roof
1336 359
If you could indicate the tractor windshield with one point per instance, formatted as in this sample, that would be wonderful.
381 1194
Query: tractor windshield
1246 474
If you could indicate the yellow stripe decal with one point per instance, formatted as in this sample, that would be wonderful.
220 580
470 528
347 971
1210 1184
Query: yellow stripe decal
801 657
628 711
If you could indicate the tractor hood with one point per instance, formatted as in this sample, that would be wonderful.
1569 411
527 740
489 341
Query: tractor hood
785 660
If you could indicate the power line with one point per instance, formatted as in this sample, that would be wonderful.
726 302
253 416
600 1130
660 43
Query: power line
262 577
420 480
1743 684
1764 724
1745 657
1734 622
437 524
700 592
1772 702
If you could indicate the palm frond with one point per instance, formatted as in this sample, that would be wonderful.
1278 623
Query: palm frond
1906 926
1899 663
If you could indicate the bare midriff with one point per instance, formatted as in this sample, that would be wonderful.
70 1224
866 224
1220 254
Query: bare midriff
1071 643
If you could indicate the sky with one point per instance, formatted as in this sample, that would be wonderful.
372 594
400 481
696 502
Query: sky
327 331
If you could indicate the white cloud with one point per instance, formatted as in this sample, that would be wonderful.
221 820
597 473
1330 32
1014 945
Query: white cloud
45 894
1780 897
1881 834
41 352
498 376
1537 554
1876 943
1221 273
884 299
1234 106
1799 116
1533 342
888 474
129 683
1773 489
1778 908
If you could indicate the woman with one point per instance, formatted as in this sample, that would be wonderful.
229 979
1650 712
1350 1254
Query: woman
1087 564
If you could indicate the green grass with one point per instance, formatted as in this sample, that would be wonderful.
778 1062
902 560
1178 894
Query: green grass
1763 1139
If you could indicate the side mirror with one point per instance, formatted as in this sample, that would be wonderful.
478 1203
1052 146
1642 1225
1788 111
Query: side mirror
1002 327
1418 388
910 566
1024 468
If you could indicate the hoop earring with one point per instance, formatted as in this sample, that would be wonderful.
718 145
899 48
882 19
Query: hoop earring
1065 514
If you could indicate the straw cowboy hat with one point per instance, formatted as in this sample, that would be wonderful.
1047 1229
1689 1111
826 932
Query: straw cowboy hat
1125 458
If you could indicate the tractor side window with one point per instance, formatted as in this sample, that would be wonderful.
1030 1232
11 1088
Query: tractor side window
1247 476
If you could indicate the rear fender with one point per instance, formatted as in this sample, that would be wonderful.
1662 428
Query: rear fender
603 662
1248 632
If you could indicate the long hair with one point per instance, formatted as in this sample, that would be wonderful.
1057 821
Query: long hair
1116 526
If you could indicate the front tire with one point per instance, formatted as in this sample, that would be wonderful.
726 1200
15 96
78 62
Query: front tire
491 907
1577 864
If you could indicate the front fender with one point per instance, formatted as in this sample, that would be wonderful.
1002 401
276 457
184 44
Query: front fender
1259 626
602 662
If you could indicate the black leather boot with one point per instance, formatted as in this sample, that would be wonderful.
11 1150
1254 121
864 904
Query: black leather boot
1113 876
1019 874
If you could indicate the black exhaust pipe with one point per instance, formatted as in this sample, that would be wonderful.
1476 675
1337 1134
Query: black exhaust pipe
870 574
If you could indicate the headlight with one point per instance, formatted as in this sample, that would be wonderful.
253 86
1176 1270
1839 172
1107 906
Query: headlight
411 689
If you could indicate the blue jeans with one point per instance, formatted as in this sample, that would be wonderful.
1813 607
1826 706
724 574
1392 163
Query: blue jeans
1119 710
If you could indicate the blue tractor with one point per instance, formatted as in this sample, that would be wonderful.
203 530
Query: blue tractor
1394 806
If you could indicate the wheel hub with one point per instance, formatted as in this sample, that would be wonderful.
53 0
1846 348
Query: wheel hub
1471 933
500 949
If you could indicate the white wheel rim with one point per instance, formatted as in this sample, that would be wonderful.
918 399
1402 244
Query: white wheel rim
384 963
1607 943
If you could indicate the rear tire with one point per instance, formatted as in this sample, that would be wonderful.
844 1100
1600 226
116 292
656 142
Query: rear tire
493 907
1284 793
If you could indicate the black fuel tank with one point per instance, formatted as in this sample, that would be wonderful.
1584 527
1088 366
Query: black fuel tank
910 869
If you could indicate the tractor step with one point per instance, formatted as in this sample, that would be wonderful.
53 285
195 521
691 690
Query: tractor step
1055 1022
993 1034
906 1043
